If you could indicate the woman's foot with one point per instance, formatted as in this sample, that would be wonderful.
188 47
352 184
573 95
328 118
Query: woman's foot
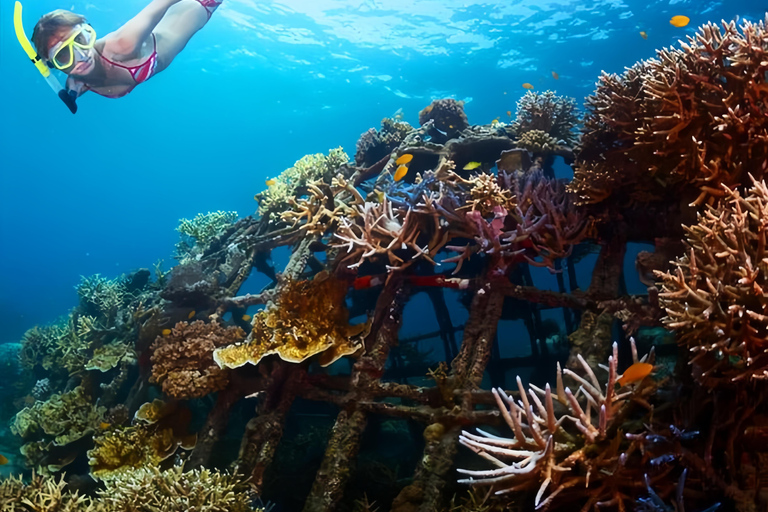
210 6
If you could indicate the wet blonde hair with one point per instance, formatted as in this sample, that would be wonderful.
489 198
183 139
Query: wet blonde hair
49 26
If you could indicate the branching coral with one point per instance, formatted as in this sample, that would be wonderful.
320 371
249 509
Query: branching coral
198 232
548 115
486 194
182 361
101 297
310 168
687 120
537 141
585 465
39 344
308 318
324 206
41 494
715 298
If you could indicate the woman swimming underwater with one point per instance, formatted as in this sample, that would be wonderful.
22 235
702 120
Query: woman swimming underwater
116 63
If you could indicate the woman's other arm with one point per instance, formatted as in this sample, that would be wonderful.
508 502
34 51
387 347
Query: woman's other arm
127 40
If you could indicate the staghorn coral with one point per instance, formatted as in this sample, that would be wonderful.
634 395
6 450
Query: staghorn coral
374 145
310 168
198 232
182 362
547 114
42 494
38 345
486 194
537 141
101 297
324 206
586 463
447 116
692 117
308 318
715 297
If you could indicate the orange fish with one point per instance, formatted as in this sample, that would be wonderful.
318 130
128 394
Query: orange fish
528 86
555 75
679 21
166 332
404 159
246 318
3 460
509 113
191 315
644 34
401 172
635 373
104 425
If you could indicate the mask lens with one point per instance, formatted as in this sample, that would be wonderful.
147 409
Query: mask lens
85 37
64 57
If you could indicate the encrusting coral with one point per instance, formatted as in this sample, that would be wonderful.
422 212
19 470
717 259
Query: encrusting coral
716 296
308 318
685 121
182 360
553 118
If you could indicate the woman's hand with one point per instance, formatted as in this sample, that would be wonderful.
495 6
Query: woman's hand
127 40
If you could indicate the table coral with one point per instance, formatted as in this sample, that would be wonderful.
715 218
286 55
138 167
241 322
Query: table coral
307 318
182 361
715 298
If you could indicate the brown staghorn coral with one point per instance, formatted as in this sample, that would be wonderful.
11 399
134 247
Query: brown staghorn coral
554 117
486 194
685 121
42 494
182 362
567 446
715 298
307 318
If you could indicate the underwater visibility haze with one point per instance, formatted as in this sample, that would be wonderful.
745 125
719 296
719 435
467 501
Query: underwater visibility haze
306 252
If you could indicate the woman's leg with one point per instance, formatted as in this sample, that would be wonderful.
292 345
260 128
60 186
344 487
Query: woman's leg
178 26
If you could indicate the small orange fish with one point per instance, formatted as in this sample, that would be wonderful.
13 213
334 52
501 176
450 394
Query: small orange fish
104 425
679 21
271 182
509 113
166 332
401 172
404 159
635 373
3 460
555 75
528 86
246 318
644 34
191 315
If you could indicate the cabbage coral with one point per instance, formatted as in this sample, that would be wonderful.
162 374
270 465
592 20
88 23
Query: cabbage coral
682 122
716 299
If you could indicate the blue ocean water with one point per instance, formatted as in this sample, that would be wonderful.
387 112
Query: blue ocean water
263 84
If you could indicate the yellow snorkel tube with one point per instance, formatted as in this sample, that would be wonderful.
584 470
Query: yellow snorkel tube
41 66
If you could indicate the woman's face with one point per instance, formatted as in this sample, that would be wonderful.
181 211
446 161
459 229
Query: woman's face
75 59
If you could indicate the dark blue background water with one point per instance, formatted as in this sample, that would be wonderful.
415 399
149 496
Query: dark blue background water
263 84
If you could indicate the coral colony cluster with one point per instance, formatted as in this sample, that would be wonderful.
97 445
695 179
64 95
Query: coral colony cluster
175 392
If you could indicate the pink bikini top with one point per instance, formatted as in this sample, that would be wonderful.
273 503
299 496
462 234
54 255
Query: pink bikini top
140 73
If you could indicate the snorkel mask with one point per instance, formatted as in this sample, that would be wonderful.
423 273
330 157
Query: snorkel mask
62 54
41 66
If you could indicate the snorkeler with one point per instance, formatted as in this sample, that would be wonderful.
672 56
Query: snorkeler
116 63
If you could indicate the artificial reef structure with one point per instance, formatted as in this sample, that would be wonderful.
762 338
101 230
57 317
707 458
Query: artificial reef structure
303 392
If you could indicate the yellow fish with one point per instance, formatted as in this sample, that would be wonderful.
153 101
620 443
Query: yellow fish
271 182
555 75
509 113
495 121
166 332
472 165
104 425
635 373
380 195
644 34
528 86
246 318
191 314
401 172
404 159
679 21
3 460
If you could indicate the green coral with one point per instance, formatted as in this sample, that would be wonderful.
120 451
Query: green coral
63 418
555 115
110 356
274 200
39 344
101 297
537 141
198 232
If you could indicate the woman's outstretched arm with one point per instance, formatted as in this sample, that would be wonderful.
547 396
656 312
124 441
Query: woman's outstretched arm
128 39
